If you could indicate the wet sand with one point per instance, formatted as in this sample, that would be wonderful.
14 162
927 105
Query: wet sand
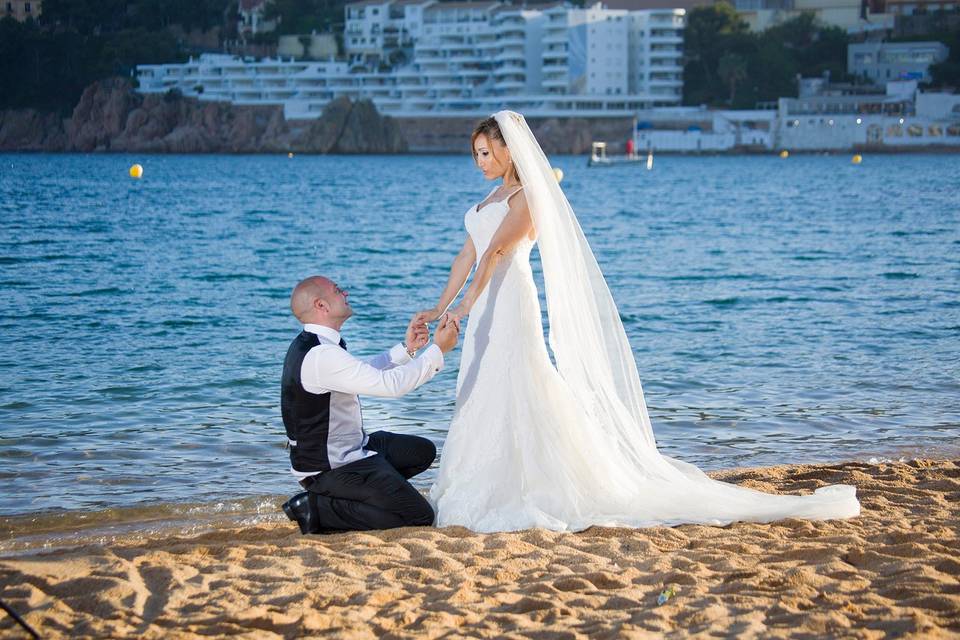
892 572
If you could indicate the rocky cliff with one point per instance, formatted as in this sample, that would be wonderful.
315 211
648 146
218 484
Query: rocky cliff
111 116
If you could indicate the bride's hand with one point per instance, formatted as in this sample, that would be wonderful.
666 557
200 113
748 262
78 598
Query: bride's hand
426 316
459 313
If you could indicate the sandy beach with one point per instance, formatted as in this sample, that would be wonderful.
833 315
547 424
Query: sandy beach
892 572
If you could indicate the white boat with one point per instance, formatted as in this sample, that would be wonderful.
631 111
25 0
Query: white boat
599 157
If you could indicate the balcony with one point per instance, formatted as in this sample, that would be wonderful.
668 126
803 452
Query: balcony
507 29
509 40
502 72
663 83
554 57
664 67
510 54
507 84
662 36
555 37
447 86
470 72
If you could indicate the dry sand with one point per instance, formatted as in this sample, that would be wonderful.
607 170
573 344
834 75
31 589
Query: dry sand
892 572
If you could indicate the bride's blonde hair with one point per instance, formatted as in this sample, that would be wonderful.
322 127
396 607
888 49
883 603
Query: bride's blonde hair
489 128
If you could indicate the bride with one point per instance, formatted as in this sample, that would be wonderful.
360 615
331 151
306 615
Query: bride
568 446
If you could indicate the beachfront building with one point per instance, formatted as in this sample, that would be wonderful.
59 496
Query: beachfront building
22 10
826 117
899 117
881 62
426 58
853 16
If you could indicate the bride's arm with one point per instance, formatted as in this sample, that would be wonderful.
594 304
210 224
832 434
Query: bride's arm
459 272
516 226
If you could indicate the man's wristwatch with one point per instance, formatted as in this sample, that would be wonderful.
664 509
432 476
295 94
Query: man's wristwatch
412 354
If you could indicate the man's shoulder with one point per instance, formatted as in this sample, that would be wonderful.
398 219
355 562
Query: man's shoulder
322 348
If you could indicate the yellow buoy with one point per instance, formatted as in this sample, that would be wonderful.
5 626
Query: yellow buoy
290 155
136 171
558 172
857 159
784 154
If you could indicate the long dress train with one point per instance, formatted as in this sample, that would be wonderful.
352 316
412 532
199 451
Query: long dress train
521 451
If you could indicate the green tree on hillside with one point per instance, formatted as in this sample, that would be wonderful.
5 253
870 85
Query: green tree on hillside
727 65
732 69
710 33
108 16
947 73
47 65
305 16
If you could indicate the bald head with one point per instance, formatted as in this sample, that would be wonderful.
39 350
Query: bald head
318 300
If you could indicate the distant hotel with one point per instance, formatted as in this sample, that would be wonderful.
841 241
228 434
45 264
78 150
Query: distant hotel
426 58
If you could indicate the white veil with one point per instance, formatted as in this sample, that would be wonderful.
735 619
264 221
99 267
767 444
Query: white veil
587 338
594 359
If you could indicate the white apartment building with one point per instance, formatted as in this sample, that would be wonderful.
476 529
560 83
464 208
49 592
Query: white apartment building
598 51
364 27
886 61
373 28
459 59
656 46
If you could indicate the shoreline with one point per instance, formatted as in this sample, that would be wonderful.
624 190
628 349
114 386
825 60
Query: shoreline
894 570
54 530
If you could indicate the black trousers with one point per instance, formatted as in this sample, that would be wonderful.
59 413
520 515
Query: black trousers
373 493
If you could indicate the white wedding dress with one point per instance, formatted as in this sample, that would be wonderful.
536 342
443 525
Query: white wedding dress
529 448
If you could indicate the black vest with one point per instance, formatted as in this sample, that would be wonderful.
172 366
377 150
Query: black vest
306 415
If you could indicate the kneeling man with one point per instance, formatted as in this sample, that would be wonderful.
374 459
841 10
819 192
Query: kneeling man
353 481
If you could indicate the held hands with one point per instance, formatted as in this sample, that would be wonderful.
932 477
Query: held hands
447 333
458 313
417 335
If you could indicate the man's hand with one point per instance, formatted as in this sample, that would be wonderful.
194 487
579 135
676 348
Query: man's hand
417 334
447 333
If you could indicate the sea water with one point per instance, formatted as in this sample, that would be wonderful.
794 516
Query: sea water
780 311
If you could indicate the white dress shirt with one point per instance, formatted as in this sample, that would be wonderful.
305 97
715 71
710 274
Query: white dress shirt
329 369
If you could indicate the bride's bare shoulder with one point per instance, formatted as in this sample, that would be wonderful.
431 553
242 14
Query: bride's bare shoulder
517 200
517 204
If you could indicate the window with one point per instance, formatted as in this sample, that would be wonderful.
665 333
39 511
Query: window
26 7
9 7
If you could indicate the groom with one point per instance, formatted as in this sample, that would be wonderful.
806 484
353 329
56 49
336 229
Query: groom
353 481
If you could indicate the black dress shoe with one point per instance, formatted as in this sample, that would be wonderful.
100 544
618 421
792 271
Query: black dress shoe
298 509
